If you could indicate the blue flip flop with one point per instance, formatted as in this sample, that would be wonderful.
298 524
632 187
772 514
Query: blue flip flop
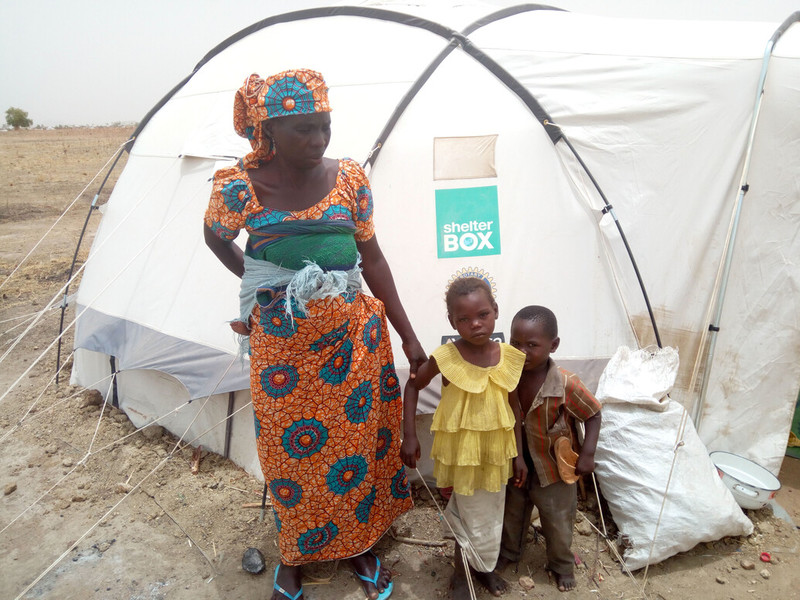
280 590
387 591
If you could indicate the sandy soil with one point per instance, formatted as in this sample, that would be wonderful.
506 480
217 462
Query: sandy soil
93 508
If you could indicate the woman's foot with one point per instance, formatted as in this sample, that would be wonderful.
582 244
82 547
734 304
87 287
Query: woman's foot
286 585
375 584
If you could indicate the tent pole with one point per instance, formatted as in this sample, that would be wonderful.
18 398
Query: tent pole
609 209
555 134
551 129
456 40
92 208
730 242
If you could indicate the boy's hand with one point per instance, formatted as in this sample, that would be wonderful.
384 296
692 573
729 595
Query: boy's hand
584 464
520 472
409 451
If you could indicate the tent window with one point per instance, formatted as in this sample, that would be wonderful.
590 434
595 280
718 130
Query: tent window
470 157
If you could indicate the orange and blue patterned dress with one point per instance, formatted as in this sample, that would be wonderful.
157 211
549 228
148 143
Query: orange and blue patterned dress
326 395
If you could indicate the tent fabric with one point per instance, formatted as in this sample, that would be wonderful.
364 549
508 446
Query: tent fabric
141 347
658 111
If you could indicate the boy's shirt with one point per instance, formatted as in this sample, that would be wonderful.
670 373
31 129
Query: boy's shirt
542 424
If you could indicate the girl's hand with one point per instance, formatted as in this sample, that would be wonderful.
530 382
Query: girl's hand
520 472
409 451
415 355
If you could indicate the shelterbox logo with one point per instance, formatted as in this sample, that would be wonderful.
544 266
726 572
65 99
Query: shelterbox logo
467 222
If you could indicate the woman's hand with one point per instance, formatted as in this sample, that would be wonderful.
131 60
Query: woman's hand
415 355
240 327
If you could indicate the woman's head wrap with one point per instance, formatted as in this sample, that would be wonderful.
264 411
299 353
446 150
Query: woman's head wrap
293 92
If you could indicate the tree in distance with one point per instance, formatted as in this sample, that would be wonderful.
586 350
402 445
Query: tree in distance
16 118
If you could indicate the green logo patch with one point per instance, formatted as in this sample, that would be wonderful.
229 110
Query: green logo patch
467 222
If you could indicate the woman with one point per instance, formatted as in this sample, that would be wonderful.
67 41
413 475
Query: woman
325 392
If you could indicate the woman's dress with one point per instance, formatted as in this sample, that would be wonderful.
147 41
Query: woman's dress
326 395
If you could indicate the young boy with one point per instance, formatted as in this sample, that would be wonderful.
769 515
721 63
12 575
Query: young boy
551 399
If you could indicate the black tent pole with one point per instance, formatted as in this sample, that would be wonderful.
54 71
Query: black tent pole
92 208
551 129
456 39
609 209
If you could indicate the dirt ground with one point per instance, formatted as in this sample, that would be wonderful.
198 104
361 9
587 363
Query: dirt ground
93 508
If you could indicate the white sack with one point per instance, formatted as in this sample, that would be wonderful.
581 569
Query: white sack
643 376
634 458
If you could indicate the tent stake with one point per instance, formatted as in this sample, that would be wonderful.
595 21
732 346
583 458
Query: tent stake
114 396
228 425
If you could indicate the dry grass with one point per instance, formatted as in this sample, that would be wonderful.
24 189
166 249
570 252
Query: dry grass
52 166
43 207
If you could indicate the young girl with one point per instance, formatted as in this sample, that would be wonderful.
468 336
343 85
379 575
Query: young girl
476 429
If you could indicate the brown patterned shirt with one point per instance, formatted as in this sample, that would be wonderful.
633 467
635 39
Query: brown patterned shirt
562 400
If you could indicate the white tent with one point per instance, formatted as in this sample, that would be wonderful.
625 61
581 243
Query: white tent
483 135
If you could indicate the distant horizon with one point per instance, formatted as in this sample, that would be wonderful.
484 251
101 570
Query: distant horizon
85 63
41 127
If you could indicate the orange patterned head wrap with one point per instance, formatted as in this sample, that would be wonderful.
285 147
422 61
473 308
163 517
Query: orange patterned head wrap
293 92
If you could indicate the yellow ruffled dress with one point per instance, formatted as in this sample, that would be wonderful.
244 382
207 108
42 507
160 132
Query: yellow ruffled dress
473 426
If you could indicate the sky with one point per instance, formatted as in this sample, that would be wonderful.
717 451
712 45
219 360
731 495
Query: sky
93 62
